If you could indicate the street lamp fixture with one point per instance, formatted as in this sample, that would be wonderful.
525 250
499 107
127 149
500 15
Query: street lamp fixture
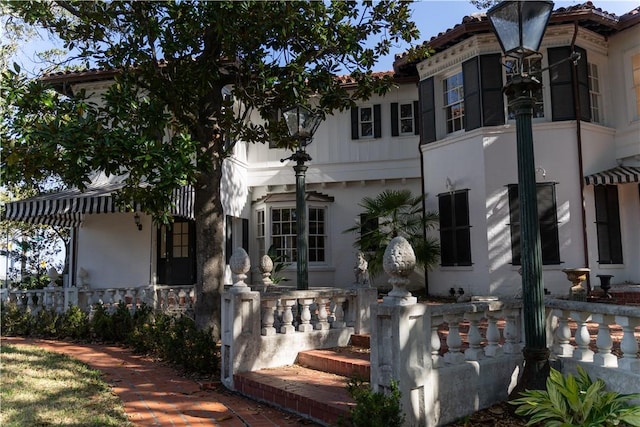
519 27
302 124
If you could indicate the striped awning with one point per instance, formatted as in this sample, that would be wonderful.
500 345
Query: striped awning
68 208
617 175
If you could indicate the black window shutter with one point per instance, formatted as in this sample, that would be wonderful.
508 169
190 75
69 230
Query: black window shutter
377 121
471 85
427 111
582 70
394 119
228 238
245 234
355 132
561 84
416 118
491 87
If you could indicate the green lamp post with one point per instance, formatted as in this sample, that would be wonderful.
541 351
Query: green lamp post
302 124
519 27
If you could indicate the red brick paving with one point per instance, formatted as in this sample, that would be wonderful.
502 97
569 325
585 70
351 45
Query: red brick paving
154 394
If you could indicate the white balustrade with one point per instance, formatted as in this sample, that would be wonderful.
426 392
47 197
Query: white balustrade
606 317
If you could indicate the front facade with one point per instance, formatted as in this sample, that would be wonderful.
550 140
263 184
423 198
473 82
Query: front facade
446 131
585 123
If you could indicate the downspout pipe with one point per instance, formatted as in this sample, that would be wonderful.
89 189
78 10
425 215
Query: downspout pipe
424 213
576 106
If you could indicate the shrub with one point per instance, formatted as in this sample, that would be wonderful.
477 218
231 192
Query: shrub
141 339
101 324
14 321
577 402
45 323
74 323
374 409
175 339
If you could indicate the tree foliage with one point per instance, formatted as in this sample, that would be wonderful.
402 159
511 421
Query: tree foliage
164 120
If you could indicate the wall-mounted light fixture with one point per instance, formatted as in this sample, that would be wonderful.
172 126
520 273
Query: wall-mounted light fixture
450 185
136 218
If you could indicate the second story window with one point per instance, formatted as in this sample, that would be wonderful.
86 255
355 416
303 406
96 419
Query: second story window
594 93
366 122
454 102
404 118
533 67
635 69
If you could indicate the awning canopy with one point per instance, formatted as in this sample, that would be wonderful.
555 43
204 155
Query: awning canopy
617 175
67 208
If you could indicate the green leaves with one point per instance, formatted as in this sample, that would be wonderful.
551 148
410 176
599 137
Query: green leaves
394 213
577 402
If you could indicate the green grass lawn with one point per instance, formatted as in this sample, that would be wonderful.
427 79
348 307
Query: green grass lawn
40 388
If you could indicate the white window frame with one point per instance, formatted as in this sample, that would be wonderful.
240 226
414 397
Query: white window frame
633 87
370 122
595 93
405 119
266 239
447 105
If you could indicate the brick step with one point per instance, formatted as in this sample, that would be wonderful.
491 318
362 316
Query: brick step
360 340
342 361
319 396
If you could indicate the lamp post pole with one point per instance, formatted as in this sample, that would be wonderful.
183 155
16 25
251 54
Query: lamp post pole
302 123
300 157
536 354
519 27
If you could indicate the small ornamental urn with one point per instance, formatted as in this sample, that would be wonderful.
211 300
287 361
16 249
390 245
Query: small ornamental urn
399 261
576 276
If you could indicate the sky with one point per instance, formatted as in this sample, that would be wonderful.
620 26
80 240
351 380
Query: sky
435 16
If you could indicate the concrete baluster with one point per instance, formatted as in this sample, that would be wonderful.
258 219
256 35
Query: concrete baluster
305 315
583 338
268 309
475 350
629 344
454 341
493 348
512 343
338 313
287 316
562 336
604 342
436 343
323 306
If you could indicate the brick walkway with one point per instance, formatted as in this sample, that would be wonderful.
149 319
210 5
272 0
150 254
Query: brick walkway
154 394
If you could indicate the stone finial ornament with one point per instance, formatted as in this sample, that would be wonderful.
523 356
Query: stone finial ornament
266 267
361 270
399 261
53 275
240 266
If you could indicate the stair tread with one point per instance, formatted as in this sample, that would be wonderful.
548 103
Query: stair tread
342 354
310 383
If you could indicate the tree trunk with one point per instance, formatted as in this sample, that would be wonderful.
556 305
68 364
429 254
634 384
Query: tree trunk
209 243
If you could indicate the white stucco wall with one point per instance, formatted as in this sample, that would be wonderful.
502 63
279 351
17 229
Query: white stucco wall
114 253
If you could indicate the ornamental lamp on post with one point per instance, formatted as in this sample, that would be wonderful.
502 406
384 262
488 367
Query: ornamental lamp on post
519 27
302 124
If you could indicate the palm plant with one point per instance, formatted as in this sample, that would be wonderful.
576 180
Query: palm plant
390 214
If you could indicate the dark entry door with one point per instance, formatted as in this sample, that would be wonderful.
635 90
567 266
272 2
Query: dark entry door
176 253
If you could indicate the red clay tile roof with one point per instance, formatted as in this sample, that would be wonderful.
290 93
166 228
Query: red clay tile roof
586 14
